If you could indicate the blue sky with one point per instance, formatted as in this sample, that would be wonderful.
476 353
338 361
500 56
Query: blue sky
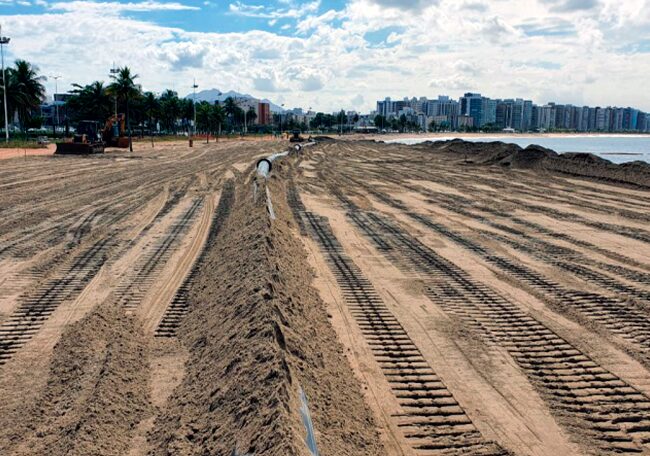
332 54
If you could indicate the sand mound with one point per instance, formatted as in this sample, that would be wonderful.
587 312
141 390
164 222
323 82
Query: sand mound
97 390
257 332
323 139
585 158
530 157
540 158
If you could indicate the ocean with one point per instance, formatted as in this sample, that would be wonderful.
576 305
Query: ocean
615 148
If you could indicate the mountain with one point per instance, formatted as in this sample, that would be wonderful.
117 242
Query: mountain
212 95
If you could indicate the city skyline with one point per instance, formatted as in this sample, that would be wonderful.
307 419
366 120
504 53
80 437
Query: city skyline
333 54
475 110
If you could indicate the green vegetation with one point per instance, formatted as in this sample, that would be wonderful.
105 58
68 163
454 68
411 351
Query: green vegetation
25 91
21 144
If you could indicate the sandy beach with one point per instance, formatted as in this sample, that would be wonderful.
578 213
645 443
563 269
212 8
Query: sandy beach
445 298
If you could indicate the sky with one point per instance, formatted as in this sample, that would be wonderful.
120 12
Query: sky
334 54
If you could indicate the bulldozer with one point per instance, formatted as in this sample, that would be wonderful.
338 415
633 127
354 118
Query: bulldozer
296 138
90 138
87 140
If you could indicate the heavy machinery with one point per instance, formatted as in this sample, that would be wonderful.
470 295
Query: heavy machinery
87 140
296 138
90 138
114 133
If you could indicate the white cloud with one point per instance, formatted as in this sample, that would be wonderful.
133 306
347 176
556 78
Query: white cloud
260 11
531 48
117 7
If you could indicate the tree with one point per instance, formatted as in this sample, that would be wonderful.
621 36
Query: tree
151 107
125 89
203 116
25 91
341 119
217 117
380 121
90 102
233 111
251 115
402 122
170 110
187 112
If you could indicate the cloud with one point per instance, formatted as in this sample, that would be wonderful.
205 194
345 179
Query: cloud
118 7
457 81
263 12
312 83
182 55
265 84
404 4
571 5
475 6
550 27
523 49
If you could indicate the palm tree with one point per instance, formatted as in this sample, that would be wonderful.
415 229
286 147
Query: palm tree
125 89
25 91
204 118
217 117
170 109
251 116
233 110
90 102
151 107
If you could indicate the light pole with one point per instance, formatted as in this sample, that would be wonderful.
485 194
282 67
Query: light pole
56 106
4 40
194 87
282 106
113 74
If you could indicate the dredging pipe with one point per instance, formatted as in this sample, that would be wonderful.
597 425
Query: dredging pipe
265 165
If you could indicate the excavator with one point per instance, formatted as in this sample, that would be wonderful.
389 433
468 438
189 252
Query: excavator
114 134
89 138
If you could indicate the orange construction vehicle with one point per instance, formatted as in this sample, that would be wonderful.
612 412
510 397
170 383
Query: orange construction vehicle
114 134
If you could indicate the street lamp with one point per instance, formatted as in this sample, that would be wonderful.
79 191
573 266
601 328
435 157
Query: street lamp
56 106
194 87
4 40
282 106
113 74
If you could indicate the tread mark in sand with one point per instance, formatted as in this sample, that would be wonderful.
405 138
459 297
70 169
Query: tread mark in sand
178 307
35 310
594 402
432 421
130 292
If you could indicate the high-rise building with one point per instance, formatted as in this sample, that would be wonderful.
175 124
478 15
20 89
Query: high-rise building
471 104
488 112
522 111
504 113
517 114
263 112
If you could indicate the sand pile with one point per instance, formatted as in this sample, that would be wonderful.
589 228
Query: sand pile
96 393
588 165
537 157
530 157
257 332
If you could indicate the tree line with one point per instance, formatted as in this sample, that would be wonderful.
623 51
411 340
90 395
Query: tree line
147 112
25 92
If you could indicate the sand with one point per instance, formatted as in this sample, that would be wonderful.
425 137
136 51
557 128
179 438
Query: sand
520 278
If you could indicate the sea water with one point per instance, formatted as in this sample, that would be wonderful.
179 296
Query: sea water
615 148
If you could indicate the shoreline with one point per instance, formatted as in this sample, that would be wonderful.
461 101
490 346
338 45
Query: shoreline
437 135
